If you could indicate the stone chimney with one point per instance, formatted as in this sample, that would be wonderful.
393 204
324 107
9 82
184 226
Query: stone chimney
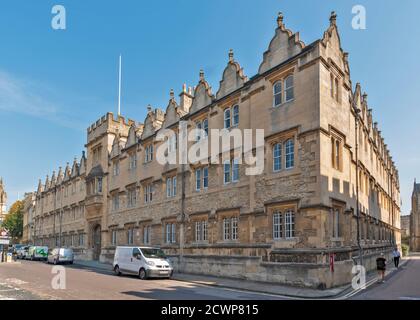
186 99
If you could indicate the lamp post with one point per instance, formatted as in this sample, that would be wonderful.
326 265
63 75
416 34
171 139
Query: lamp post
357 112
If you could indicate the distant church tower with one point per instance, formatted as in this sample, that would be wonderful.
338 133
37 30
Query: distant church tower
415 219
3 200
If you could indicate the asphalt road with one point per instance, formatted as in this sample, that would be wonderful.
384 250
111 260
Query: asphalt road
402 285
34 280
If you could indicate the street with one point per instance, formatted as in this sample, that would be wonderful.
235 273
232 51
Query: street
402 285
33 280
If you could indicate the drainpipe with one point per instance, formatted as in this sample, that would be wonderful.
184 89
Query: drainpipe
357 111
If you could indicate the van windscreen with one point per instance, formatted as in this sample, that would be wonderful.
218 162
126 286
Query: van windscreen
153 253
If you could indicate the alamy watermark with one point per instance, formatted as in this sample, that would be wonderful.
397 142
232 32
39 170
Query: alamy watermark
58 21
58 281
359 20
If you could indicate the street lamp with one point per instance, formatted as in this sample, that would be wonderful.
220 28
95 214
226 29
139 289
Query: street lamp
357 115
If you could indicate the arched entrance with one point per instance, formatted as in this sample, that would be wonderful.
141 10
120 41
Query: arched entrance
96 241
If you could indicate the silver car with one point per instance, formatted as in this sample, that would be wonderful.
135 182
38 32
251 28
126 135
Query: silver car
60 255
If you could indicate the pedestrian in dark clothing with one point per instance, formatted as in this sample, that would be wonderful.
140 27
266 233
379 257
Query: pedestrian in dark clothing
381 267
397 255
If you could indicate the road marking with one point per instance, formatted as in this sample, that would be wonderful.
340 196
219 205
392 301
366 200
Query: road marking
410 298
16 281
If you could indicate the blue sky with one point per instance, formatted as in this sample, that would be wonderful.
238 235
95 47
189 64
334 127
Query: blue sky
54 84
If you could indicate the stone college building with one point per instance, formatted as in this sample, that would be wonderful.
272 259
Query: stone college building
325 165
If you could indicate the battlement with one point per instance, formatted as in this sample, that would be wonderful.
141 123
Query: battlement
109 118
109 123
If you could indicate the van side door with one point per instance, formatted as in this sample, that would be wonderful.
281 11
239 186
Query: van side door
135 261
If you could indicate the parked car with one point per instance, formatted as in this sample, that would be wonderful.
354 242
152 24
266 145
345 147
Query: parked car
37 253
60 255
145 262
16 248
22 252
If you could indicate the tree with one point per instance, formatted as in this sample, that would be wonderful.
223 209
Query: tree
14 220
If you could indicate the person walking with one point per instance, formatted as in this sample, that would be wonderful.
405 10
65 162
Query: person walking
381 267
397 255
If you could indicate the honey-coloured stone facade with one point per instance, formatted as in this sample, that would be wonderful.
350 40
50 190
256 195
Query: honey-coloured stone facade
325 165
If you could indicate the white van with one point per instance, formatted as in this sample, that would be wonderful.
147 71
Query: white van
146 262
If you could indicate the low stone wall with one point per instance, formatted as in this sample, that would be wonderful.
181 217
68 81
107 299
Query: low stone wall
253 268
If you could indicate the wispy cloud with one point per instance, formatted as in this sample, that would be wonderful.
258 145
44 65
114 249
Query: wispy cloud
28 97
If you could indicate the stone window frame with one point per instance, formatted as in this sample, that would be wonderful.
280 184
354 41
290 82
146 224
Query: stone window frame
222 217
337 139
147 190
170 231
148 152
282 209
115 200
132 201
281 138
199 218
172 177
337 220
132 161
280 79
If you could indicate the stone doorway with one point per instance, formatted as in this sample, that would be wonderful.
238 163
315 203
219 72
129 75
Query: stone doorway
96 241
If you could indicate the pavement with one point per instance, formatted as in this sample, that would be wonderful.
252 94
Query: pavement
401 284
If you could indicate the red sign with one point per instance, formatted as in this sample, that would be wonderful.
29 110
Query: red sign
332 259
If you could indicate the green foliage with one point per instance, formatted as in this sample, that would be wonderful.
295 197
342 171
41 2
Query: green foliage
405 249
14 220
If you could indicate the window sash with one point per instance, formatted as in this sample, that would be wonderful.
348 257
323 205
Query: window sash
290 154
290 224
227 118
235 120
168 187
289 88
277 94
226 229
205 178
198 179
235 170
173 233
277 157
234 223
174 186
226 172
206 127
198 231
277 225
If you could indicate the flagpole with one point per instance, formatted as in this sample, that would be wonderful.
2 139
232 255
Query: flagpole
119 88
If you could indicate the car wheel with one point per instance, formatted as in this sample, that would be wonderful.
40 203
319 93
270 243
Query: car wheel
117 270
71 262
142 274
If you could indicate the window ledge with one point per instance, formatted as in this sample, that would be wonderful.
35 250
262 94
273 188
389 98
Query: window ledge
283 104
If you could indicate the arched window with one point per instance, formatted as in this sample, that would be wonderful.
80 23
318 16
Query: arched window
290 154
288 88
277 94
277 225
277 157
227 118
